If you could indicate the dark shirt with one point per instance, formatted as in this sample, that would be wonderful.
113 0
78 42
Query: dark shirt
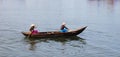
63 26
32 28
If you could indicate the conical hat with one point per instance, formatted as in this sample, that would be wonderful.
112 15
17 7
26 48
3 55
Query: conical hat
63 23
32 25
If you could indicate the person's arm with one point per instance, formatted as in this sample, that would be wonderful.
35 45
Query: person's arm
31 28
65 27
62 27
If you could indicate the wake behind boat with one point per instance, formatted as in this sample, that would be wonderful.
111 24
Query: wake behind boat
50 34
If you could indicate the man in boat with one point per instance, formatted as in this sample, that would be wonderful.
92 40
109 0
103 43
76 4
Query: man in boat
32 29
63 28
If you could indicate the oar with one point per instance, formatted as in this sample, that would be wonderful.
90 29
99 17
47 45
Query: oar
29 35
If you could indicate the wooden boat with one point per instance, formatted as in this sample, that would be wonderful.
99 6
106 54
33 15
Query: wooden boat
50 34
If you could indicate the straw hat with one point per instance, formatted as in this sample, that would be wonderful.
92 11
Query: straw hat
32 25
63 23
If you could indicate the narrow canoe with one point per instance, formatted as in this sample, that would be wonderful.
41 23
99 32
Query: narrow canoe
55 33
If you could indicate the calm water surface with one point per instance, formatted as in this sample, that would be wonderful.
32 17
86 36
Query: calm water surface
100 39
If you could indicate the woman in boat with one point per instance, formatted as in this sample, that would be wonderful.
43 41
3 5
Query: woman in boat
32 29
63 28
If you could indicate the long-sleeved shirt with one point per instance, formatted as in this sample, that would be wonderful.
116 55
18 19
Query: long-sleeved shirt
63 26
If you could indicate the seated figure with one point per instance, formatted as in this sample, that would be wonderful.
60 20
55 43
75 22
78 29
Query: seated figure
32 29
63 28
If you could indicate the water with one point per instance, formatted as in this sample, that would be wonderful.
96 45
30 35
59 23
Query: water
100 39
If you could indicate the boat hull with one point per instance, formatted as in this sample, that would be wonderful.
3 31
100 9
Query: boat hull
55 33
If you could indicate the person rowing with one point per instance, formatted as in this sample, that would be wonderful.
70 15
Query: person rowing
63 27
32 29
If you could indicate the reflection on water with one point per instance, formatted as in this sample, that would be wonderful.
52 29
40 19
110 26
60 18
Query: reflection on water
62 40
110 4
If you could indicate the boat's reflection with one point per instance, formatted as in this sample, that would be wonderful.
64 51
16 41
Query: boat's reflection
63 40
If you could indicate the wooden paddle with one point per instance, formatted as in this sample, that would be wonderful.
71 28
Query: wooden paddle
29 35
